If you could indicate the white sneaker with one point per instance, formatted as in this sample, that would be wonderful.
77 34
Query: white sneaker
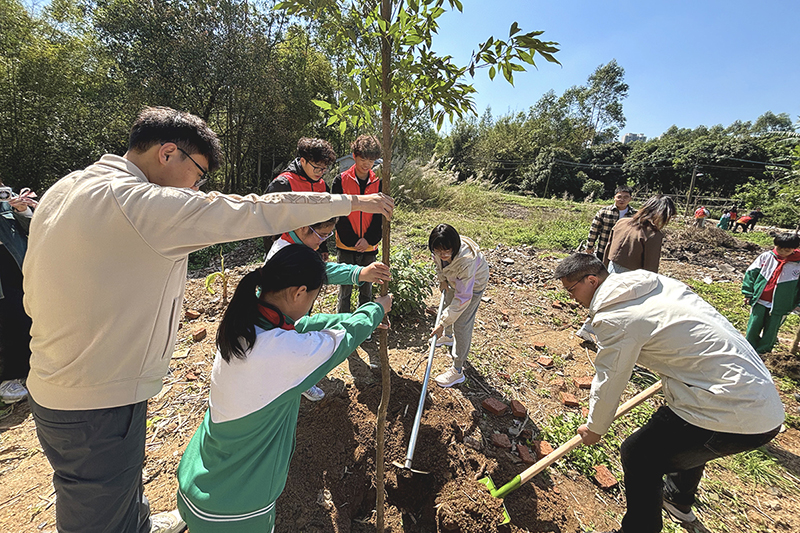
12 391
444 340
585 335
170 522
677 515
450 377
314 394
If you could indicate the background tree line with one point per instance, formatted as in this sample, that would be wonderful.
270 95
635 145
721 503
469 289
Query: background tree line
74 74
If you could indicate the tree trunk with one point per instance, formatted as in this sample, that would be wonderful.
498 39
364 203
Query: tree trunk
386 383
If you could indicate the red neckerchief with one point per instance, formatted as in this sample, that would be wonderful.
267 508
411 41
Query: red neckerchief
773 279
291 237
274 317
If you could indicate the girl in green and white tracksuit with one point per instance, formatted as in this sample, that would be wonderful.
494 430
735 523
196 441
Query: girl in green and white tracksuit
770 287
269 352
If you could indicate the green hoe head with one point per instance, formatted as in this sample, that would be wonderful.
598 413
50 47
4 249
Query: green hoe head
493 491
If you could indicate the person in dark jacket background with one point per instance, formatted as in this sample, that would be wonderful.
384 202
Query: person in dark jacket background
15 325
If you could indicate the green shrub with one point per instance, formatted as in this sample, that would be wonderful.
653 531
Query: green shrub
411 283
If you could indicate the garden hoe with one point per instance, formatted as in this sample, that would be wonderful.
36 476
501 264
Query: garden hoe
414 432
558 453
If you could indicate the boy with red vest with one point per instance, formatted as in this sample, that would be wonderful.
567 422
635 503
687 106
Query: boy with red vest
304 174
358 235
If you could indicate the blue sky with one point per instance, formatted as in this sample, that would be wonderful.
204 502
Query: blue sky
687 63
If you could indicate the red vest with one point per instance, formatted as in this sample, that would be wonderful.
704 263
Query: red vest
300 184
359 220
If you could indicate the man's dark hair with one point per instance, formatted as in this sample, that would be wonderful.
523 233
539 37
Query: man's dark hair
444 237
623 188
315 150
579 265
158 125
366 146
786 240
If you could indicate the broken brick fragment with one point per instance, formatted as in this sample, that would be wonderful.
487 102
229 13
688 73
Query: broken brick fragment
190 376
542 448
559 383
496 407
525 454
518 409
558 305
545 361
501 440
583 383
191 314
569 400
526 434
604 477
199 334
539 346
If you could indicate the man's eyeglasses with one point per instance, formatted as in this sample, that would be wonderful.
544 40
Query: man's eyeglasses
572 287
321 237
318 170
204 177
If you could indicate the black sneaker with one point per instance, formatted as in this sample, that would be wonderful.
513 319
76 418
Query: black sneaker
679 513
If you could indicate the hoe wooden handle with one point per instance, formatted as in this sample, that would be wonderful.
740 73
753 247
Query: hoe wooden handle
568 446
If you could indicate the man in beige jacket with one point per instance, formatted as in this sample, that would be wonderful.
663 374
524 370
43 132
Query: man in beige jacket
104 281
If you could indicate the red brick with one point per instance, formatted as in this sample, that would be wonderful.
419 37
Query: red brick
518 409
604 477
539 346
190 376
558 305
584 382
496 407
501 440
199 334
191 314
569 399
559 383
542 448
525 454
545 361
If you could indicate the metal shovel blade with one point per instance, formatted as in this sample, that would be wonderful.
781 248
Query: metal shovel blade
492 490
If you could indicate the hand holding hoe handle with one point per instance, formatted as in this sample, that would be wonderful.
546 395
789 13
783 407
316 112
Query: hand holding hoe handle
568 446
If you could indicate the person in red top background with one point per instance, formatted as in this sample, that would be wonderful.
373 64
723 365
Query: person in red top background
358 235
304 174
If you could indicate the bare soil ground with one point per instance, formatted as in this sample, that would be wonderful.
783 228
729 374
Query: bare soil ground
331 486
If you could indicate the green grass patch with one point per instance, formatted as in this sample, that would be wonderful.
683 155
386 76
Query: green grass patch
757 467
758 237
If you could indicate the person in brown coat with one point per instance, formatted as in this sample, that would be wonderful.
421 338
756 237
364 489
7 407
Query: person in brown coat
635 243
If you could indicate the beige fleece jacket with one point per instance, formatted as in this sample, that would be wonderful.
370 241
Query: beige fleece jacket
105 272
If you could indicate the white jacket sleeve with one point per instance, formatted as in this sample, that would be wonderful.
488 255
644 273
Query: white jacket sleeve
175 222
614 365
464 283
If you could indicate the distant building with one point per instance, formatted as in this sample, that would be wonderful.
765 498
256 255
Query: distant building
630 137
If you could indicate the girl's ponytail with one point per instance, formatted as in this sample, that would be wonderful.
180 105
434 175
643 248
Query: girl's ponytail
238 322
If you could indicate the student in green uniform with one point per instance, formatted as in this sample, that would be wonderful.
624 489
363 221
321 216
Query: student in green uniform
268 352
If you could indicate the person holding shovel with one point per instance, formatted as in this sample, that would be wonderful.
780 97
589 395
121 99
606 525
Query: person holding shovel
463 274
268 352
720 398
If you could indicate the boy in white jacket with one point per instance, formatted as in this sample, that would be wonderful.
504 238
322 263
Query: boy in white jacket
721 399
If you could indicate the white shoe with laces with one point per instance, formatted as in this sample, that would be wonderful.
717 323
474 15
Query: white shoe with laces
169 522
444 340
450 377
314 394
12 391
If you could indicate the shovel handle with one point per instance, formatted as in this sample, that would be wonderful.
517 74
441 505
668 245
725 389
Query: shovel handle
568 446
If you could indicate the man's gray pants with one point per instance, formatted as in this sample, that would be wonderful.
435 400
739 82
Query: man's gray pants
97 457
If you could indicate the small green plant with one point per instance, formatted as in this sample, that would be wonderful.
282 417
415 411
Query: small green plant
560 429
410 284
787 384
223 275
756 467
